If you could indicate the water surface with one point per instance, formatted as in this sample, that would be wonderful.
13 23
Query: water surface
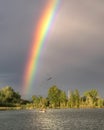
58 119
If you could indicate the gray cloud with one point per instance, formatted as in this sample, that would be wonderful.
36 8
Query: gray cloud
73 53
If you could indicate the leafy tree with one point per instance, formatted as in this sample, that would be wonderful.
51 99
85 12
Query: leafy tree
54 96
39 101
91 97
100 103
71 101
8 95
35 100
63 99
74 99
77 98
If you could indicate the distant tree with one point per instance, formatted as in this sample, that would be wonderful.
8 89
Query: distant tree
63 99
77 98
91 97
71 101
100 102
24 102
8 95
74 99
35 100
54 96
39 101
83 101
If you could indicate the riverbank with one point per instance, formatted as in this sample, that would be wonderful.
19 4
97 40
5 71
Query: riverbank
32 108
10 108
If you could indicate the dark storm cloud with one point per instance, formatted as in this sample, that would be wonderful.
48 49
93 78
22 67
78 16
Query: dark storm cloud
73 54
17 22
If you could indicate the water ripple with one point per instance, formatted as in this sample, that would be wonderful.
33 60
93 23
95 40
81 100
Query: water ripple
66 119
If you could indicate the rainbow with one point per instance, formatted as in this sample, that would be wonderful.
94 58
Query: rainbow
39 39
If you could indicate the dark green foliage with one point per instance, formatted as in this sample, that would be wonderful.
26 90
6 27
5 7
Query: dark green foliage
56 99
54 96
39 101
24 102
74 99
63 99
8 96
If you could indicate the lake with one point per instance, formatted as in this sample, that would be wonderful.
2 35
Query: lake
57 119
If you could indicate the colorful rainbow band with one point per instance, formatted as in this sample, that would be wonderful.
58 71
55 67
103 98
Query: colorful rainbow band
40 35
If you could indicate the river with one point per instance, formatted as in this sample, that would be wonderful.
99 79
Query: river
57 119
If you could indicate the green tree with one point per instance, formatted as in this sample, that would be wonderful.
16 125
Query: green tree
100 102
39 101
77 98
63 99
35 100
74 99
8 95
91 97
54 97
71 101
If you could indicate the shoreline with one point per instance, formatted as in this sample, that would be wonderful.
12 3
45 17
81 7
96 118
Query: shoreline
22 108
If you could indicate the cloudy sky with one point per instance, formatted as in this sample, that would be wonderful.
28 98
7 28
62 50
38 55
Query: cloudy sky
73 54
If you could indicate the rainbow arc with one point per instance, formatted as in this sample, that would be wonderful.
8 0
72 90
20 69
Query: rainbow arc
39 38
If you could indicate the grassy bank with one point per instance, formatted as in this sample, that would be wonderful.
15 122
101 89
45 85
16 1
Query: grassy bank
32 108
10 108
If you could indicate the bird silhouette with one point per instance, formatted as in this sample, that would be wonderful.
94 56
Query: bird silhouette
49 78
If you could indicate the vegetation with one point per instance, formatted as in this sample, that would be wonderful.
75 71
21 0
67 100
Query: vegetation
8 97
56 98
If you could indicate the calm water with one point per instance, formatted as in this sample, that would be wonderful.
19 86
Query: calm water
69 119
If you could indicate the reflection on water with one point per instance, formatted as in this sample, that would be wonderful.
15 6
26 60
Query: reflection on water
69 119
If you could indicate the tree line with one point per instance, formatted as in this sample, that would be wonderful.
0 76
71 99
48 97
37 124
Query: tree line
56 98
8 97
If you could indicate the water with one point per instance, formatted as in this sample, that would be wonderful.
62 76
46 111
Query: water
66 119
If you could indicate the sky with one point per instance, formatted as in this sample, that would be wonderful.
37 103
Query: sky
73 55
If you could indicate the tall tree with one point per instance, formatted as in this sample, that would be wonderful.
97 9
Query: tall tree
71 101
8 95
63 99
77 98
91 97
54 96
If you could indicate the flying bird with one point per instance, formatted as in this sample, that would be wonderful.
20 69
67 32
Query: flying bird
49 78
